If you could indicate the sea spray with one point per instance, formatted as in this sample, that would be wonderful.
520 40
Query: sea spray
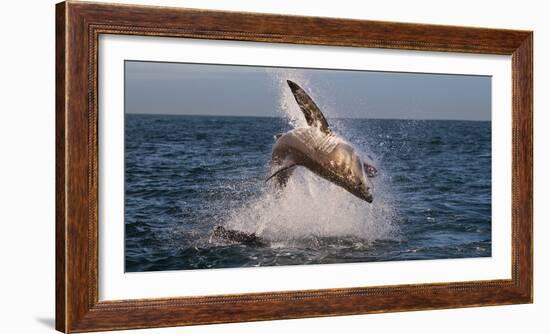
311 206
288 108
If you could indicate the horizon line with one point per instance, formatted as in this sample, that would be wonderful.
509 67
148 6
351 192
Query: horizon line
260 116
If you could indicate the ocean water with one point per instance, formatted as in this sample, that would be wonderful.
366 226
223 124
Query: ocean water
185 175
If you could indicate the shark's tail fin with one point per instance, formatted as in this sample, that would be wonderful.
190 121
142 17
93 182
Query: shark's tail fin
312 113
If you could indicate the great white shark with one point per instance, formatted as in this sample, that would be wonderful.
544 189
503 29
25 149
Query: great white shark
317 148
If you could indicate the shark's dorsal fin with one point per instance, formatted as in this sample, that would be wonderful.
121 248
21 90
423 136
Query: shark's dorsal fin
312 113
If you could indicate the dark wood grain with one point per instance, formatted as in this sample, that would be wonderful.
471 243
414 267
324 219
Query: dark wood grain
78 27
60 180
522 166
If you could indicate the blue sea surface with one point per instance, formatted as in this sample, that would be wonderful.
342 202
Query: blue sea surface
185 175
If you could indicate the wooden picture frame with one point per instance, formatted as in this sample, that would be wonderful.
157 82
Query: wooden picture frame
78 26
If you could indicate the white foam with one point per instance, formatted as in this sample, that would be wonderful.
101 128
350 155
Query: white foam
312 206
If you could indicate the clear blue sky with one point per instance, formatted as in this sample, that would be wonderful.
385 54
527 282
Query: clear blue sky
201 89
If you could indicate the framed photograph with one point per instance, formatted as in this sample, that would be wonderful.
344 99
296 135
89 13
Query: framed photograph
222 167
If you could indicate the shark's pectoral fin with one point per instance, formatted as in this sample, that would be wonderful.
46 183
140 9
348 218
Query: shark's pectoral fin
311 111
283 173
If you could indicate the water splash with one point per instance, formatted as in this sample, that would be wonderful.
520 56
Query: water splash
288 108
310 206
